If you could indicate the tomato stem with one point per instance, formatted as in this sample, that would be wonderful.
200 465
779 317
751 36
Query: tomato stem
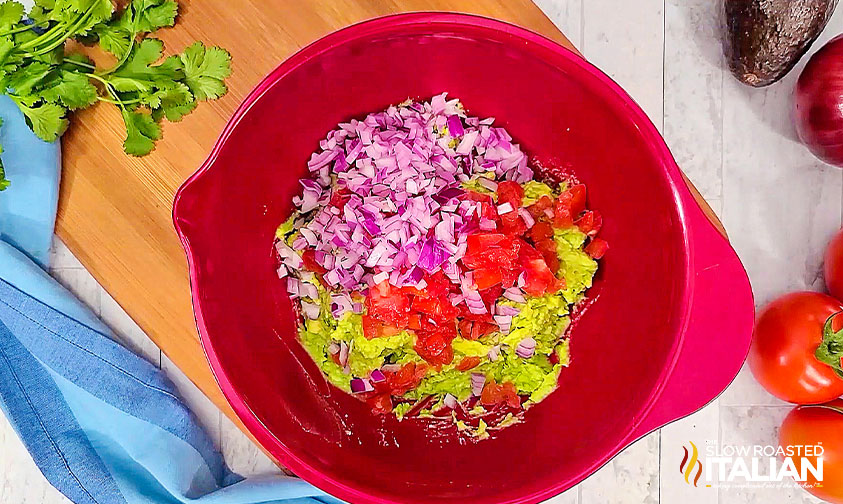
830 351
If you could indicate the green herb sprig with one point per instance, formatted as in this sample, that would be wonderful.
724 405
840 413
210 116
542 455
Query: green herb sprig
47 82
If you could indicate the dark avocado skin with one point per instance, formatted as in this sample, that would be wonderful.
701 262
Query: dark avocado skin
766 38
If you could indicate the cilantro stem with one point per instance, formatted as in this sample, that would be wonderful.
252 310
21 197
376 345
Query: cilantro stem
81 64
18 30
48 35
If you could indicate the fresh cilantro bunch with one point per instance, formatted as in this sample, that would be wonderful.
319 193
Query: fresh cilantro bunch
47 82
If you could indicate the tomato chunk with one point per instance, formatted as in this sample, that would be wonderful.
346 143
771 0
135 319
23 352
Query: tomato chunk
487 277
597 248
434 347
563 216
540 231
374 328
538 208
510 192
406 378
577 199
380 404
308 258
467 363
494 394
590 223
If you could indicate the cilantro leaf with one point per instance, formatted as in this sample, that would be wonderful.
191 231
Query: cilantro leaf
140 66
73 90
205 69
154 14
25 78
113 39
174 112
46 120
141 133
11 13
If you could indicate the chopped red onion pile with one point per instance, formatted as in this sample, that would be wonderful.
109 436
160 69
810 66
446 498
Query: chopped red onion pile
398 173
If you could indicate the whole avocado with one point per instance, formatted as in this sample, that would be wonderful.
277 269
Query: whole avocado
766 38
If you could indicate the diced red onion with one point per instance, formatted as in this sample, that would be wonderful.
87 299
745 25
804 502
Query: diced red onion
505 208
450 401
343 357
504 322
377 376
333 348
478 380
361 385
310 310
494 353
526 348
528 217
488 183
514 294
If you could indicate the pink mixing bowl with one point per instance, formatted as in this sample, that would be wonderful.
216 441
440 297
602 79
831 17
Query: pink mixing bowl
668 330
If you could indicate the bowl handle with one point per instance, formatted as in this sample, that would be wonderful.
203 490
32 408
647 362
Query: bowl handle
717 337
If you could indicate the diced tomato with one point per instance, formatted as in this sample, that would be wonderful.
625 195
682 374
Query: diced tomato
475 329
490 295
479 242
374 328
512 224
547 248
438 284
510 192
336 358
476 196
486 277
540 231
434 348
381 403
467 363
439 309
537 209
389 303
597 248
538 278
509 276
308 257
577 199
494 394
406 378
488 211
340 197
563 216
496 257
590 223
526 251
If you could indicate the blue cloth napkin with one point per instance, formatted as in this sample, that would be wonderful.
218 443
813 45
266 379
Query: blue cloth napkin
102 424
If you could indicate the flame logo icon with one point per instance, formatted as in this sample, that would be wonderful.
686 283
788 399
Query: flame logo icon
687 467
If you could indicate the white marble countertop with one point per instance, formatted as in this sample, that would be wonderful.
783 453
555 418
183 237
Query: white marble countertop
737 144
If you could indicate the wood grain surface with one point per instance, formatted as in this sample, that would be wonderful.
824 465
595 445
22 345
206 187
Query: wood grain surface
115 211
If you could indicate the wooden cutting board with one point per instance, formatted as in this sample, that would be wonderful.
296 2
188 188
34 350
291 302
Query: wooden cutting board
115 211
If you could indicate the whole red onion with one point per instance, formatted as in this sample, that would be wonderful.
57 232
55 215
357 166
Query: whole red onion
819 103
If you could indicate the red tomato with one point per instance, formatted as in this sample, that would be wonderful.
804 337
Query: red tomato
380 404
476 196
812 426
563 216
389 303
439 309
540 231
340 197
486 277
512 224
538 279
786 335
833 266
406 378
374 328
597 248
505 393
538 208
308 258
510 192
475 329
434 347
479 242
577 199
468 363
549 253
590 223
